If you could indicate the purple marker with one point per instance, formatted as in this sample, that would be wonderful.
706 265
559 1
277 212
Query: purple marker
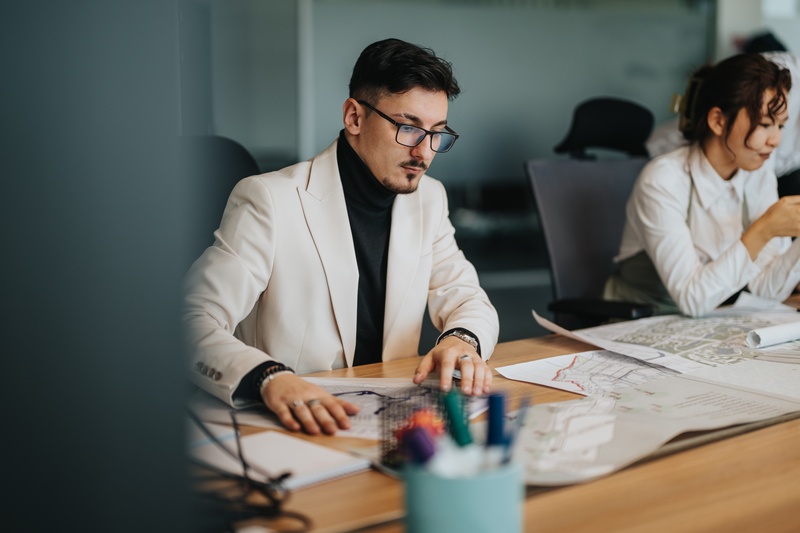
418 445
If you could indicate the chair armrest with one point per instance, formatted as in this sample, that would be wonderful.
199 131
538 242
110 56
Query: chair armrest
594 307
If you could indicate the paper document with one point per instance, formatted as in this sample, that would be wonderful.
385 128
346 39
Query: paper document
748 302
275 453
586 373
717 380
688 344
366 393
579 440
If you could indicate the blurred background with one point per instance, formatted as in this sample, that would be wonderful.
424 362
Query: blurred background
101 216
273 74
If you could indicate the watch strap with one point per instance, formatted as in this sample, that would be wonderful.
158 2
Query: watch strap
463 334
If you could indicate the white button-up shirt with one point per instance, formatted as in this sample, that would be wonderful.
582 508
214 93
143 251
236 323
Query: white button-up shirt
690 221
786 157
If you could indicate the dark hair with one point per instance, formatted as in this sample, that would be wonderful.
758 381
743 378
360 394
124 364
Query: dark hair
763 42
732 84
395 66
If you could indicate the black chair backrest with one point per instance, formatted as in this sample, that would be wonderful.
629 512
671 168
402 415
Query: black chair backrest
581 206
609 123
215 164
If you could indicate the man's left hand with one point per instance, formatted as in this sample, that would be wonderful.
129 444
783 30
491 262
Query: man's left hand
452 353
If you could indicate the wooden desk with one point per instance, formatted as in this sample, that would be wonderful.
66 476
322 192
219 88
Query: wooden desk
748 482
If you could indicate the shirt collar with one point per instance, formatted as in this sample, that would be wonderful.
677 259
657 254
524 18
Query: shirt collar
708 183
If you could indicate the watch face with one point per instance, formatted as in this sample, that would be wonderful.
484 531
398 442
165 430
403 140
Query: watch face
466 338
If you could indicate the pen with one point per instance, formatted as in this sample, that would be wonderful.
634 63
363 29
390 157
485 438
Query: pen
519 421
495 435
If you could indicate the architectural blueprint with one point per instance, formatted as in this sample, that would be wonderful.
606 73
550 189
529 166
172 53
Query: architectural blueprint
586 373
687 344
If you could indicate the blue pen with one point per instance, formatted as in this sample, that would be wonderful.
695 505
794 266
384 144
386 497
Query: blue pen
496 435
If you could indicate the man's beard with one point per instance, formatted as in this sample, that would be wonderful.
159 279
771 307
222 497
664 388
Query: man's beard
409 185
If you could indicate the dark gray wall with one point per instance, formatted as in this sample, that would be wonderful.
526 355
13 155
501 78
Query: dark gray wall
93 220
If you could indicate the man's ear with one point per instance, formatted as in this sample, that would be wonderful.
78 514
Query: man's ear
352 115
716 121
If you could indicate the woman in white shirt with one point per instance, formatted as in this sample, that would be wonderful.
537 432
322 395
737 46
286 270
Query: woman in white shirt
704 221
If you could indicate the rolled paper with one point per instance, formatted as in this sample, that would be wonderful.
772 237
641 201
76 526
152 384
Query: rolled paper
772 335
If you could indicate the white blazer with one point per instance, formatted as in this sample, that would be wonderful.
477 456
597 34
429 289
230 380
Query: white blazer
280 281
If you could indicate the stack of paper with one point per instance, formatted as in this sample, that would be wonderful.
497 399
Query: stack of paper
275 453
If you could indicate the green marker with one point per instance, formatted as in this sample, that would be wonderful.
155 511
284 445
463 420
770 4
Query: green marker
458 427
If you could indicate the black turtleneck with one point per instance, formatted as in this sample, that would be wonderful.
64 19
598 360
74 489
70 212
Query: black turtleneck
369 207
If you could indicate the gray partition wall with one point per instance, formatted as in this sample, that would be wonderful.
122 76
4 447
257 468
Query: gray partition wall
280 68
522 68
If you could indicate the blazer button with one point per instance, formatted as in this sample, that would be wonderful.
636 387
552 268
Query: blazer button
217 376
198 366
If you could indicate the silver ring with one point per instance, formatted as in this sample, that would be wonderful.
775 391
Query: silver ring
296 403
462 357
312 402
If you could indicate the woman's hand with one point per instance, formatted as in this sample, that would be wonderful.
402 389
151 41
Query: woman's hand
782 219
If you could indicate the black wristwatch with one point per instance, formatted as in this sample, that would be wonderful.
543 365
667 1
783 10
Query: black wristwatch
463 334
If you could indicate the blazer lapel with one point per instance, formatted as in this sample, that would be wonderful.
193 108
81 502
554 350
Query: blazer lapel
405 244
326 215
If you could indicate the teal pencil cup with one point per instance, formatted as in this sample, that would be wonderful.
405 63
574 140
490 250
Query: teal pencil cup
489 501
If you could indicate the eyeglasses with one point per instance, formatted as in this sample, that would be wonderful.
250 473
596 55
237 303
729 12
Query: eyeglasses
237 503
407 135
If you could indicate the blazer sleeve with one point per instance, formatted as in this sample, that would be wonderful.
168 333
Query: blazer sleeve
222 287
455 297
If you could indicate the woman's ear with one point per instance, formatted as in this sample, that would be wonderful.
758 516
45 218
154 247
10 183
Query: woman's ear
716 121
352 115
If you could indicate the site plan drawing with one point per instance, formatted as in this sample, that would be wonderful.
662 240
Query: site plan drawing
687 344
586 373
574 441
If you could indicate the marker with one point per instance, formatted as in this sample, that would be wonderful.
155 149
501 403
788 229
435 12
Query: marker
418 445
459 429
495 435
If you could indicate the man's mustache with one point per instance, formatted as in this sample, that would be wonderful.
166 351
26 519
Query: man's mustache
415 164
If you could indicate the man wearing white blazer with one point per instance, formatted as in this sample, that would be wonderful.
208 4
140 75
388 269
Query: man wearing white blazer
331 262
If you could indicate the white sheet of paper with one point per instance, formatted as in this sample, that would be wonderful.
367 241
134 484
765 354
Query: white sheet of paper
749 302
276 452
570 442
585 373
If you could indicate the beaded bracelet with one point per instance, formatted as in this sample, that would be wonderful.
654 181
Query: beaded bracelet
268 374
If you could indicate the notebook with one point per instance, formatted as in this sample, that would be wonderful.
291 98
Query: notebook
276 452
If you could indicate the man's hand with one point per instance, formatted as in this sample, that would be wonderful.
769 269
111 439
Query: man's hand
452 353
303 405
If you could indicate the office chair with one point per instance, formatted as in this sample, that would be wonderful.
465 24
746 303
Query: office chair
581 205
213 164
610 123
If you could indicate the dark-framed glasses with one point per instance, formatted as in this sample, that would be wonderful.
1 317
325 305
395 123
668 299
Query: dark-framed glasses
411 136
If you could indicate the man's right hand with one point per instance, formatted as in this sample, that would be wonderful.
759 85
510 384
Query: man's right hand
302 405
